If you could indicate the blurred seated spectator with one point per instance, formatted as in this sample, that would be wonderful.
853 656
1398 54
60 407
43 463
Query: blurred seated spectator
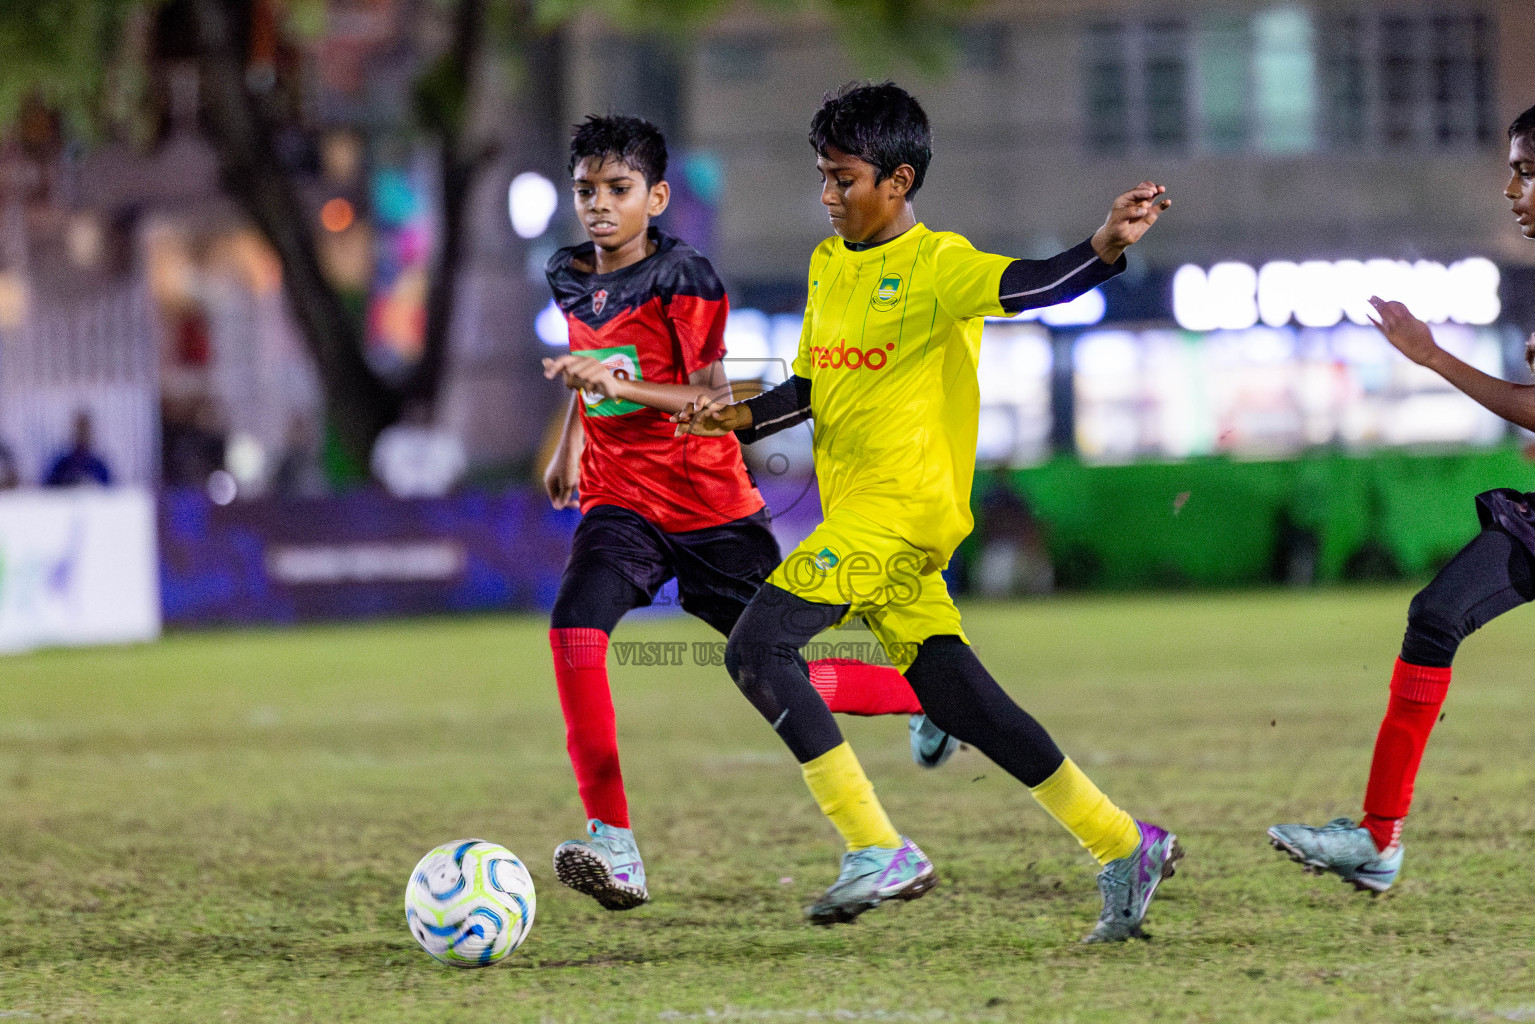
414 459
1013 559
79 465
299 473
10 476
192 443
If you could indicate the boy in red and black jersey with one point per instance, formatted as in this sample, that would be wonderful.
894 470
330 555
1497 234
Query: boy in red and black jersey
647 315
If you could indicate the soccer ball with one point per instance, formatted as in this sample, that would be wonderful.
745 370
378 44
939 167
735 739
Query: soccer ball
470 903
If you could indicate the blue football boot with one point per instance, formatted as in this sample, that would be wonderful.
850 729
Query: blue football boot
930 745
1127 884
871 876
1345 849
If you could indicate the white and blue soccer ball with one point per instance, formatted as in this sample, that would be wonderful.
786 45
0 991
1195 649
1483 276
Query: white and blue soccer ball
470 903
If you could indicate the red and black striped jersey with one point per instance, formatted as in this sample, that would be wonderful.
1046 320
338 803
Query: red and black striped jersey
657 320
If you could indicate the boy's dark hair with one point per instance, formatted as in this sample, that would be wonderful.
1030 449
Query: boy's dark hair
633 140
1523 126
881 124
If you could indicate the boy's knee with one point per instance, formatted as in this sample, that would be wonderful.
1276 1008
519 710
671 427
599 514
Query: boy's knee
1427 614
1434 631
744 655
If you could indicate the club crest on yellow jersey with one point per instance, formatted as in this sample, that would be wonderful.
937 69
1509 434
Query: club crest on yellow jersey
888 293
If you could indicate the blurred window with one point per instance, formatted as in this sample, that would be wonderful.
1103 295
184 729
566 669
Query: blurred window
1282 80
1107 87
1222 83
1345 82
1400 88
1137 85
1165 71
1407 81
1284 70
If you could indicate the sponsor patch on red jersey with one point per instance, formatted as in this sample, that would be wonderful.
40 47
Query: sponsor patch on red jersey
658 320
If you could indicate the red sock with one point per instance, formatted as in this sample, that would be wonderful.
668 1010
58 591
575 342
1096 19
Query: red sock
856 688
1417 693
591 735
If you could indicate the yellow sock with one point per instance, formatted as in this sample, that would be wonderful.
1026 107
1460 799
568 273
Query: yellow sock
1072 799
846 796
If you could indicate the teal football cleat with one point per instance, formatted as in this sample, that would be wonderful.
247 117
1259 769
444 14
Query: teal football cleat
870 877
1345 849
1127 884
930 745
605 865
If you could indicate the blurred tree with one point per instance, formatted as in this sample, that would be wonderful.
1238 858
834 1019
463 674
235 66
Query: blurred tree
78 60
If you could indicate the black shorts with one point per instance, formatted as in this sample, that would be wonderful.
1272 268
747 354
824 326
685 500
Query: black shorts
1510 511
719 569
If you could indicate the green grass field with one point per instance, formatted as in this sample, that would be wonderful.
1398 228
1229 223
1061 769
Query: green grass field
219 828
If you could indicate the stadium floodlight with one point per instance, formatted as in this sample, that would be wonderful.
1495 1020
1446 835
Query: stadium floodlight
531 200
550 326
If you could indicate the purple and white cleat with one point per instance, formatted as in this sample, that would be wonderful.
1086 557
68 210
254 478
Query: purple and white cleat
605 865
871 876
1127 884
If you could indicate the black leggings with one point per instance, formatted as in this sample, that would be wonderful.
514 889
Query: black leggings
594 598
1488 577
956 691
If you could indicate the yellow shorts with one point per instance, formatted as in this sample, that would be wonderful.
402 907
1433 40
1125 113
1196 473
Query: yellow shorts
851 560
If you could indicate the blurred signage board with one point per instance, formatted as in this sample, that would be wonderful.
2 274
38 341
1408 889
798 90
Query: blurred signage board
1272 392
77 567
1322 293
359 555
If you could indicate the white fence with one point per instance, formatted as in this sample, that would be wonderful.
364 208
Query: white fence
98 355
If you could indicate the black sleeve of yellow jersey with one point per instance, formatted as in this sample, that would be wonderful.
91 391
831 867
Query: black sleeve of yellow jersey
1030 284
779 409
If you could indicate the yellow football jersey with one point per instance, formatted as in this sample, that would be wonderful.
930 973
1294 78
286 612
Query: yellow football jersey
890 344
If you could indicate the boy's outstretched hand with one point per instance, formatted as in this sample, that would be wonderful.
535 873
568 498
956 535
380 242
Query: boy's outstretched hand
1407 334
712 419
1129 218
583 373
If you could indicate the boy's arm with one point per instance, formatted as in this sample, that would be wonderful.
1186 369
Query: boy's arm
1030 284
1412 337
766 414
562 478
587 374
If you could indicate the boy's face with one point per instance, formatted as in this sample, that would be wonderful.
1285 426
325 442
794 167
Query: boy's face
859 206
1521 184
613 201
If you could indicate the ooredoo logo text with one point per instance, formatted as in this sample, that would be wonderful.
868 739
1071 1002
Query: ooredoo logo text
843 356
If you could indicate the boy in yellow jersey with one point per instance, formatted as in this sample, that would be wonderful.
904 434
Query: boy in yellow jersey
887 369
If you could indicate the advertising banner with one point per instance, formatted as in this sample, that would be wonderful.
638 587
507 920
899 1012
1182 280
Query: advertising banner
370 555
359 555
77 567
